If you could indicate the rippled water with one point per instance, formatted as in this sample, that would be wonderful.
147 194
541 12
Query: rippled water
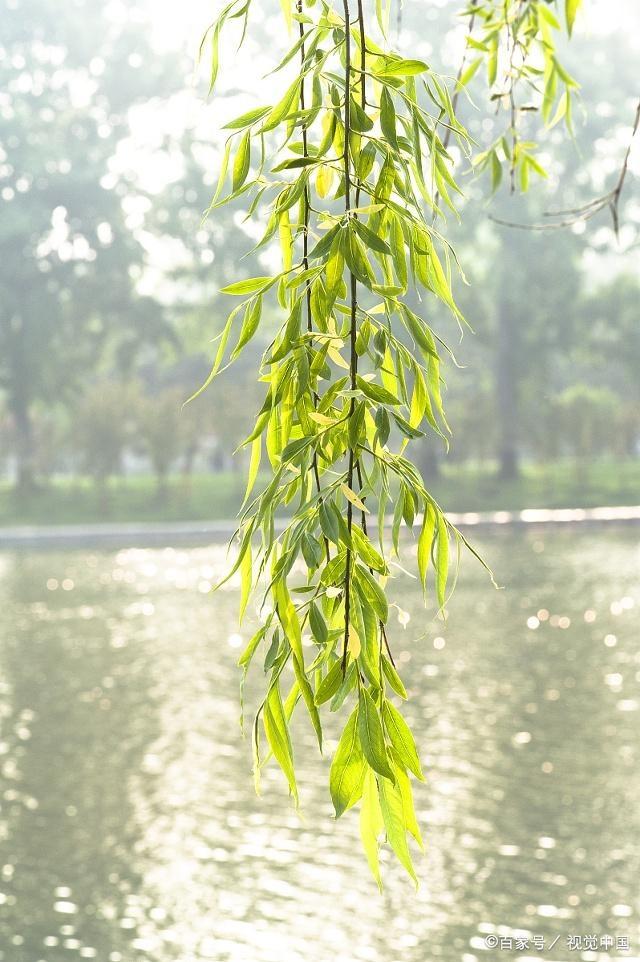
129 829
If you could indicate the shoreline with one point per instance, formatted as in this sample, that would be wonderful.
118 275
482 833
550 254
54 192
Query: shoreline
195 533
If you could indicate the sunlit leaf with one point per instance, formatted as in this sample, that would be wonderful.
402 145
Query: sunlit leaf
277 732
401 738
371 735
347 768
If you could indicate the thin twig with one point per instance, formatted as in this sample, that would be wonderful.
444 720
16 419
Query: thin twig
353 361
577 214
306 207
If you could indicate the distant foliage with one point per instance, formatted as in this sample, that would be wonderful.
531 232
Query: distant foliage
356 200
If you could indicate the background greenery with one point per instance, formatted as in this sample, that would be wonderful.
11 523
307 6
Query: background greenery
109 279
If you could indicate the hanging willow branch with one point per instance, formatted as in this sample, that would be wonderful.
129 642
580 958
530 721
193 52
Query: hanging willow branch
575 215
352 377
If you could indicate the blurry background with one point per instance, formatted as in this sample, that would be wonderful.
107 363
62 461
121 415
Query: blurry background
109 276
129 828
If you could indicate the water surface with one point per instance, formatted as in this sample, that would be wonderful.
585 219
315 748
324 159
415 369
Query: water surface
130 831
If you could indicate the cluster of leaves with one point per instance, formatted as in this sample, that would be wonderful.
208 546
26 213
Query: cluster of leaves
515 41
354 197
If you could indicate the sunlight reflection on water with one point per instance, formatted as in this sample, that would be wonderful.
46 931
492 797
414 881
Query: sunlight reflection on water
129 829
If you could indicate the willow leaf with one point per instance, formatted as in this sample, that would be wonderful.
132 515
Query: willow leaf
401 738
277 732
394 823
371 824
347 768
371 735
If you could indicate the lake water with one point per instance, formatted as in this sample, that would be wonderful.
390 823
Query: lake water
129 827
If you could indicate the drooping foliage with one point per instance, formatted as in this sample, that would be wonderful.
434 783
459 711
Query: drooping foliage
352 172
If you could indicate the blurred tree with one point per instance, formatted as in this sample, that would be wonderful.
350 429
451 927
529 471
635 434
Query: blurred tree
587 418
160 427
104 423
527 301
68 258
609 344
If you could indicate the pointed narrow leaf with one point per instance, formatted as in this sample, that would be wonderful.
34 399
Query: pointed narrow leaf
242 162
372 736
347 768
571 8
393 816
401 738
442 561
393 678
277 732
371 824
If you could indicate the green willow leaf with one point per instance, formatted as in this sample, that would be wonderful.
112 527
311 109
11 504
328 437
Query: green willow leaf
425 542
371 735
348 767
318 624
282 108
394 823
277 732
329 684
406 794
388 118
402 68
242 162
372 593
571 8
252 285
372 241
371 824
247 119
308 698
393 678
442 561
401 738
376 392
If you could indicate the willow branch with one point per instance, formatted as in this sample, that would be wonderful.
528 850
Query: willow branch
585 212
463 63
306 208
353 359
456 95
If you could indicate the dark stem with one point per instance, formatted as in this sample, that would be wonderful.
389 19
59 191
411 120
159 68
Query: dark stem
353 360
593 207
363 103
615 199
306 206
511 39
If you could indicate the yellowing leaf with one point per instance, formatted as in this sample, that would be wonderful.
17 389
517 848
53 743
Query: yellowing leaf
353 498
286 12
354 646
246 574
324 180
321 418
371 824
571 8
286 240
337 358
